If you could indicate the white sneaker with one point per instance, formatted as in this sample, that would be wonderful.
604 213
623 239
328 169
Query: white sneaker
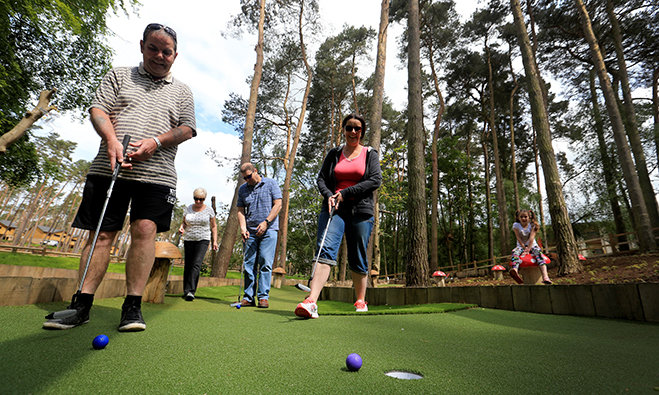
361 306
307 309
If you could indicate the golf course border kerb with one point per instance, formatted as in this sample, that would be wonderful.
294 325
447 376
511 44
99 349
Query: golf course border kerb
635 301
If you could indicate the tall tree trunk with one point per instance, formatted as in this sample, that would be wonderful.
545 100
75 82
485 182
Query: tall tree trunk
500 189
630 122
511 106
607 164
283 219
354 87
417 267
470 199
24 222
376 121
12 218
639 209
566 244
488 197
434 193
541 208
655 109
221 263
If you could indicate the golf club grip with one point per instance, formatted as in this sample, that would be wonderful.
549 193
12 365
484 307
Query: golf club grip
125 143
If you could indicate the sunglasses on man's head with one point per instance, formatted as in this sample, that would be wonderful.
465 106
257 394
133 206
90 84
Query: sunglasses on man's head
158 26
355 128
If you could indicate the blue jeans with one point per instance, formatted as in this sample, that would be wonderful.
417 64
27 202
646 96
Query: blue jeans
259 254
357 229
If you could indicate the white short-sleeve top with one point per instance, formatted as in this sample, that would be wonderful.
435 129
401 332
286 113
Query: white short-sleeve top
524 233
198 223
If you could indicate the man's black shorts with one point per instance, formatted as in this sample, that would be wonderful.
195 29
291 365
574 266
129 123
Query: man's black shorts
147 201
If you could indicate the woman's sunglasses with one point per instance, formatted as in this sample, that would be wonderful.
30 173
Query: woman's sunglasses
355 128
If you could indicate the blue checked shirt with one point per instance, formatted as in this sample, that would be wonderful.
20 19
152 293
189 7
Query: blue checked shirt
258 201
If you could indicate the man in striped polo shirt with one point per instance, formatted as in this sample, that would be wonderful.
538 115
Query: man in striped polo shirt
157 111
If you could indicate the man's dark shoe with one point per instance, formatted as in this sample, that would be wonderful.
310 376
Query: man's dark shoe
189 296
263 303
247 303
131 318
75 315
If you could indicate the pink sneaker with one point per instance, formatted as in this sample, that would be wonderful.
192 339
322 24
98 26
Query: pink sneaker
360 306
307 309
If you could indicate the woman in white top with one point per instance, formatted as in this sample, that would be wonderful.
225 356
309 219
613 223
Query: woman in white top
199 230
525 228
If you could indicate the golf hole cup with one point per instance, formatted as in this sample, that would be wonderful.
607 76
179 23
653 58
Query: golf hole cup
353 362
100 342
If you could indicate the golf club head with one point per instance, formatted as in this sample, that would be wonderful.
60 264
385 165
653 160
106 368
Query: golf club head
62 314
302 287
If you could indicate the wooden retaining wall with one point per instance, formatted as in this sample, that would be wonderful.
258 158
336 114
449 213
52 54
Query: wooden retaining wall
638 302
20 285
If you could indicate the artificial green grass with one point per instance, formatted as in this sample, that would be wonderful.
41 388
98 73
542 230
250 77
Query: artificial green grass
329 307
206 346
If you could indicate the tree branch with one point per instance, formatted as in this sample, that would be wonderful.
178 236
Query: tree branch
43 107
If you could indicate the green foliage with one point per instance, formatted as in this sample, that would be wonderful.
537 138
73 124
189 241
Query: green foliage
44 45
19 166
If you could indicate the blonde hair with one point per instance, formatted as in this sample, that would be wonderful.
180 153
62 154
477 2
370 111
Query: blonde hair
199 192
531 215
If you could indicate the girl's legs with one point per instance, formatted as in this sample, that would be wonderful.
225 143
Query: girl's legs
540 260
516 261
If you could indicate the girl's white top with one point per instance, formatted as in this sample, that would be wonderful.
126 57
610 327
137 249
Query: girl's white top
198 223
524 233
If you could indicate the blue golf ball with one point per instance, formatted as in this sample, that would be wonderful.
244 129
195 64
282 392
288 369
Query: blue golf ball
238 306
100 342
353 362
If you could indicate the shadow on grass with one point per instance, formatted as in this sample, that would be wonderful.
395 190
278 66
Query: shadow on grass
31 364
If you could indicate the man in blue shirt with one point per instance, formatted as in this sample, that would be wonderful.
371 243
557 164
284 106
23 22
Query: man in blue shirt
259 202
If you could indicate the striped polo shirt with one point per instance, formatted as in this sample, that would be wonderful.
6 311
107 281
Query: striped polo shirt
144 108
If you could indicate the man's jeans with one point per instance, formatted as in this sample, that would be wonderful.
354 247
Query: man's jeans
259 254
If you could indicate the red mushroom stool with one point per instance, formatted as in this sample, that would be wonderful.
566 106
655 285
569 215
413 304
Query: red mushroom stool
498 270
439 278
529 269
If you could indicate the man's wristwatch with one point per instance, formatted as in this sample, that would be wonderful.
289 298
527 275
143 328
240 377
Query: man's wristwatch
268 222
158 143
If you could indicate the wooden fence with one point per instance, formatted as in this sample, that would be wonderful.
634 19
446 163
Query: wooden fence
472 269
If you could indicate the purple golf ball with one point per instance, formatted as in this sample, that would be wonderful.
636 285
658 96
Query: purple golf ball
100 342
353 362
